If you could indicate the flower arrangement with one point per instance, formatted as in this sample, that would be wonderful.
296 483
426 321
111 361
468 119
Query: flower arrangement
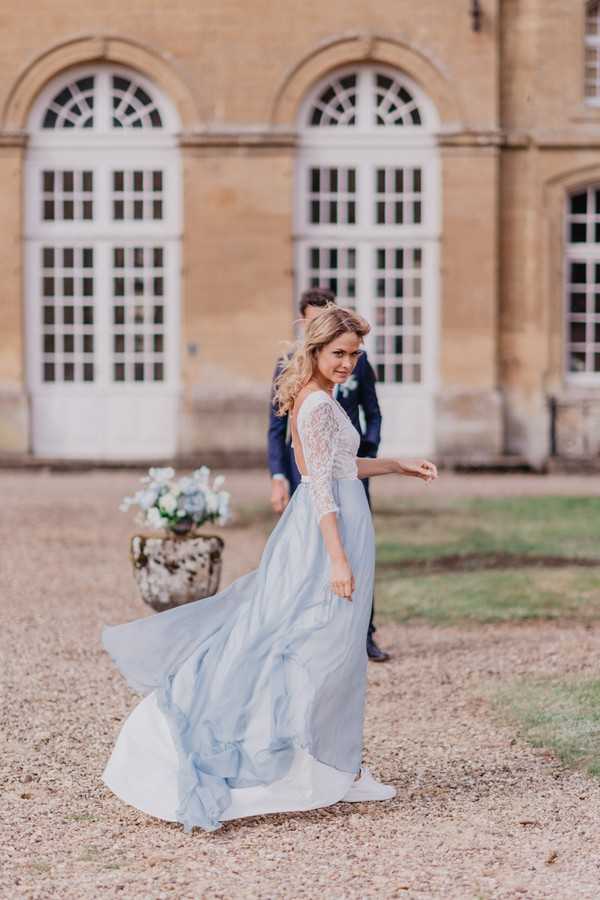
179 504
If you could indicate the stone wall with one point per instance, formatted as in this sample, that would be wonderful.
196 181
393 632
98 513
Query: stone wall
515 134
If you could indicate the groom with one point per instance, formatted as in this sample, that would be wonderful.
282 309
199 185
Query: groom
356 394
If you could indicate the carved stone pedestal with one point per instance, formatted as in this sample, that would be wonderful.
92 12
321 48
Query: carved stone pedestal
173 570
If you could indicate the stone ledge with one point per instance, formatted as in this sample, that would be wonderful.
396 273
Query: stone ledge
493 464
238 137
214 459
573 465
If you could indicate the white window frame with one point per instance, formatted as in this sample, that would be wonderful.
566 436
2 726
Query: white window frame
592 43
588 253
368 147
408 407
103 149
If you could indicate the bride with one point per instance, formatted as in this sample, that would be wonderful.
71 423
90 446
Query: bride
254 697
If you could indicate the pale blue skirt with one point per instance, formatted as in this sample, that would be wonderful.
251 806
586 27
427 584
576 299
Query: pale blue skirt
255 695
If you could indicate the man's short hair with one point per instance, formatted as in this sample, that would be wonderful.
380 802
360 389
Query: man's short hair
318 296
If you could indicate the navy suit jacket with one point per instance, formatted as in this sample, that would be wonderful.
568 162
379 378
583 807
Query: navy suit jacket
359 394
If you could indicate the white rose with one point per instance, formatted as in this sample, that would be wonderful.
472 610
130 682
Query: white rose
154 518
212 503
168 503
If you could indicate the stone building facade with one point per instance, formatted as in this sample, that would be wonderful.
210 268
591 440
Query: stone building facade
173 175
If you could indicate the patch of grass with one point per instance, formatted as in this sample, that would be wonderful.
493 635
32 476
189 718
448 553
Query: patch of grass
550 526
562 716
490 596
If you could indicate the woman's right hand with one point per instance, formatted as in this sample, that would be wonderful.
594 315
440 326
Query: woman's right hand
341 579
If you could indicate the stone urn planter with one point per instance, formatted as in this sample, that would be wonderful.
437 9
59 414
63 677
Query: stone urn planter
173 569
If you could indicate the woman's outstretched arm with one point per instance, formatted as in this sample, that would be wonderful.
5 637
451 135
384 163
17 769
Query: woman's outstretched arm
419 468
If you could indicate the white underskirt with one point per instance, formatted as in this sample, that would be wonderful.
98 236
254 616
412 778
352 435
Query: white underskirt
142 771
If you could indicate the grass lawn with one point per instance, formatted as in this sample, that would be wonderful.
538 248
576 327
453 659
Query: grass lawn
561 716
482 532
490 596
550 526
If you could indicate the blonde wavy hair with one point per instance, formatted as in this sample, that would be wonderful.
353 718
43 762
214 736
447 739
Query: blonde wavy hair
299 366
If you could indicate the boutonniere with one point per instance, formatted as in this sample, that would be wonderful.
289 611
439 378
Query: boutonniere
349 385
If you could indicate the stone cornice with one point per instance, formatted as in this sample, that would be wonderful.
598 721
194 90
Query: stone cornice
555 139
239 137
13 138
576 138
464 138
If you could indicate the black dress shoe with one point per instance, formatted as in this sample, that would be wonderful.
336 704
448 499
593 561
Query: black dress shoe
375 653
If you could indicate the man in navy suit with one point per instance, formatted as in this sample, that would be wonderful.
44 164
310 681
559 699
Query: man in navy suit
358 393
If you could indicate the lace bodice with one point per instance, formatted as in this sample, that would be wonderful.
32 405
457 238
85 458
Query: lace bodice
330 443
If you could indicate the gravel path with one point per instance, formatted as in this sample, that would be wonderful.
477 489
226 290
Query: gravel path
478 814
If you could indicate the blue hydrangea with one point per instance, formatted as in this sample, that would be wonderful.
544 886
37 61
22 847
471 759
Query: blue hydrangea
193 504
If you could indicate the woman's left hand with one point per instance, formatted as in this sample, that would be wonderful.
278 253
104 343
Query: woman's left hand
420 468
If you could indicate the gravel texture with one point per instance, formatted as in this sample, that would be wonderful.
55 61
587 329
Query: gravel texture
479 814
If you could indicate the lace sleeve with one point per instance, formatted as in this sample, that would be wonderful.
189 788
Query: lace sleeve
318 430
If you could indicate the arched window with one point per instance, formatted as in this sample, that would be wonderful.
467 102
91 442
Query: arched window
583 285
592 52
103 223
367 224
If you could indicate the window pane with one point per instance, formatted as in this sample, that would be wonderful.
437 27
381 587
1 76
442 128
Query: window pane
578 233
